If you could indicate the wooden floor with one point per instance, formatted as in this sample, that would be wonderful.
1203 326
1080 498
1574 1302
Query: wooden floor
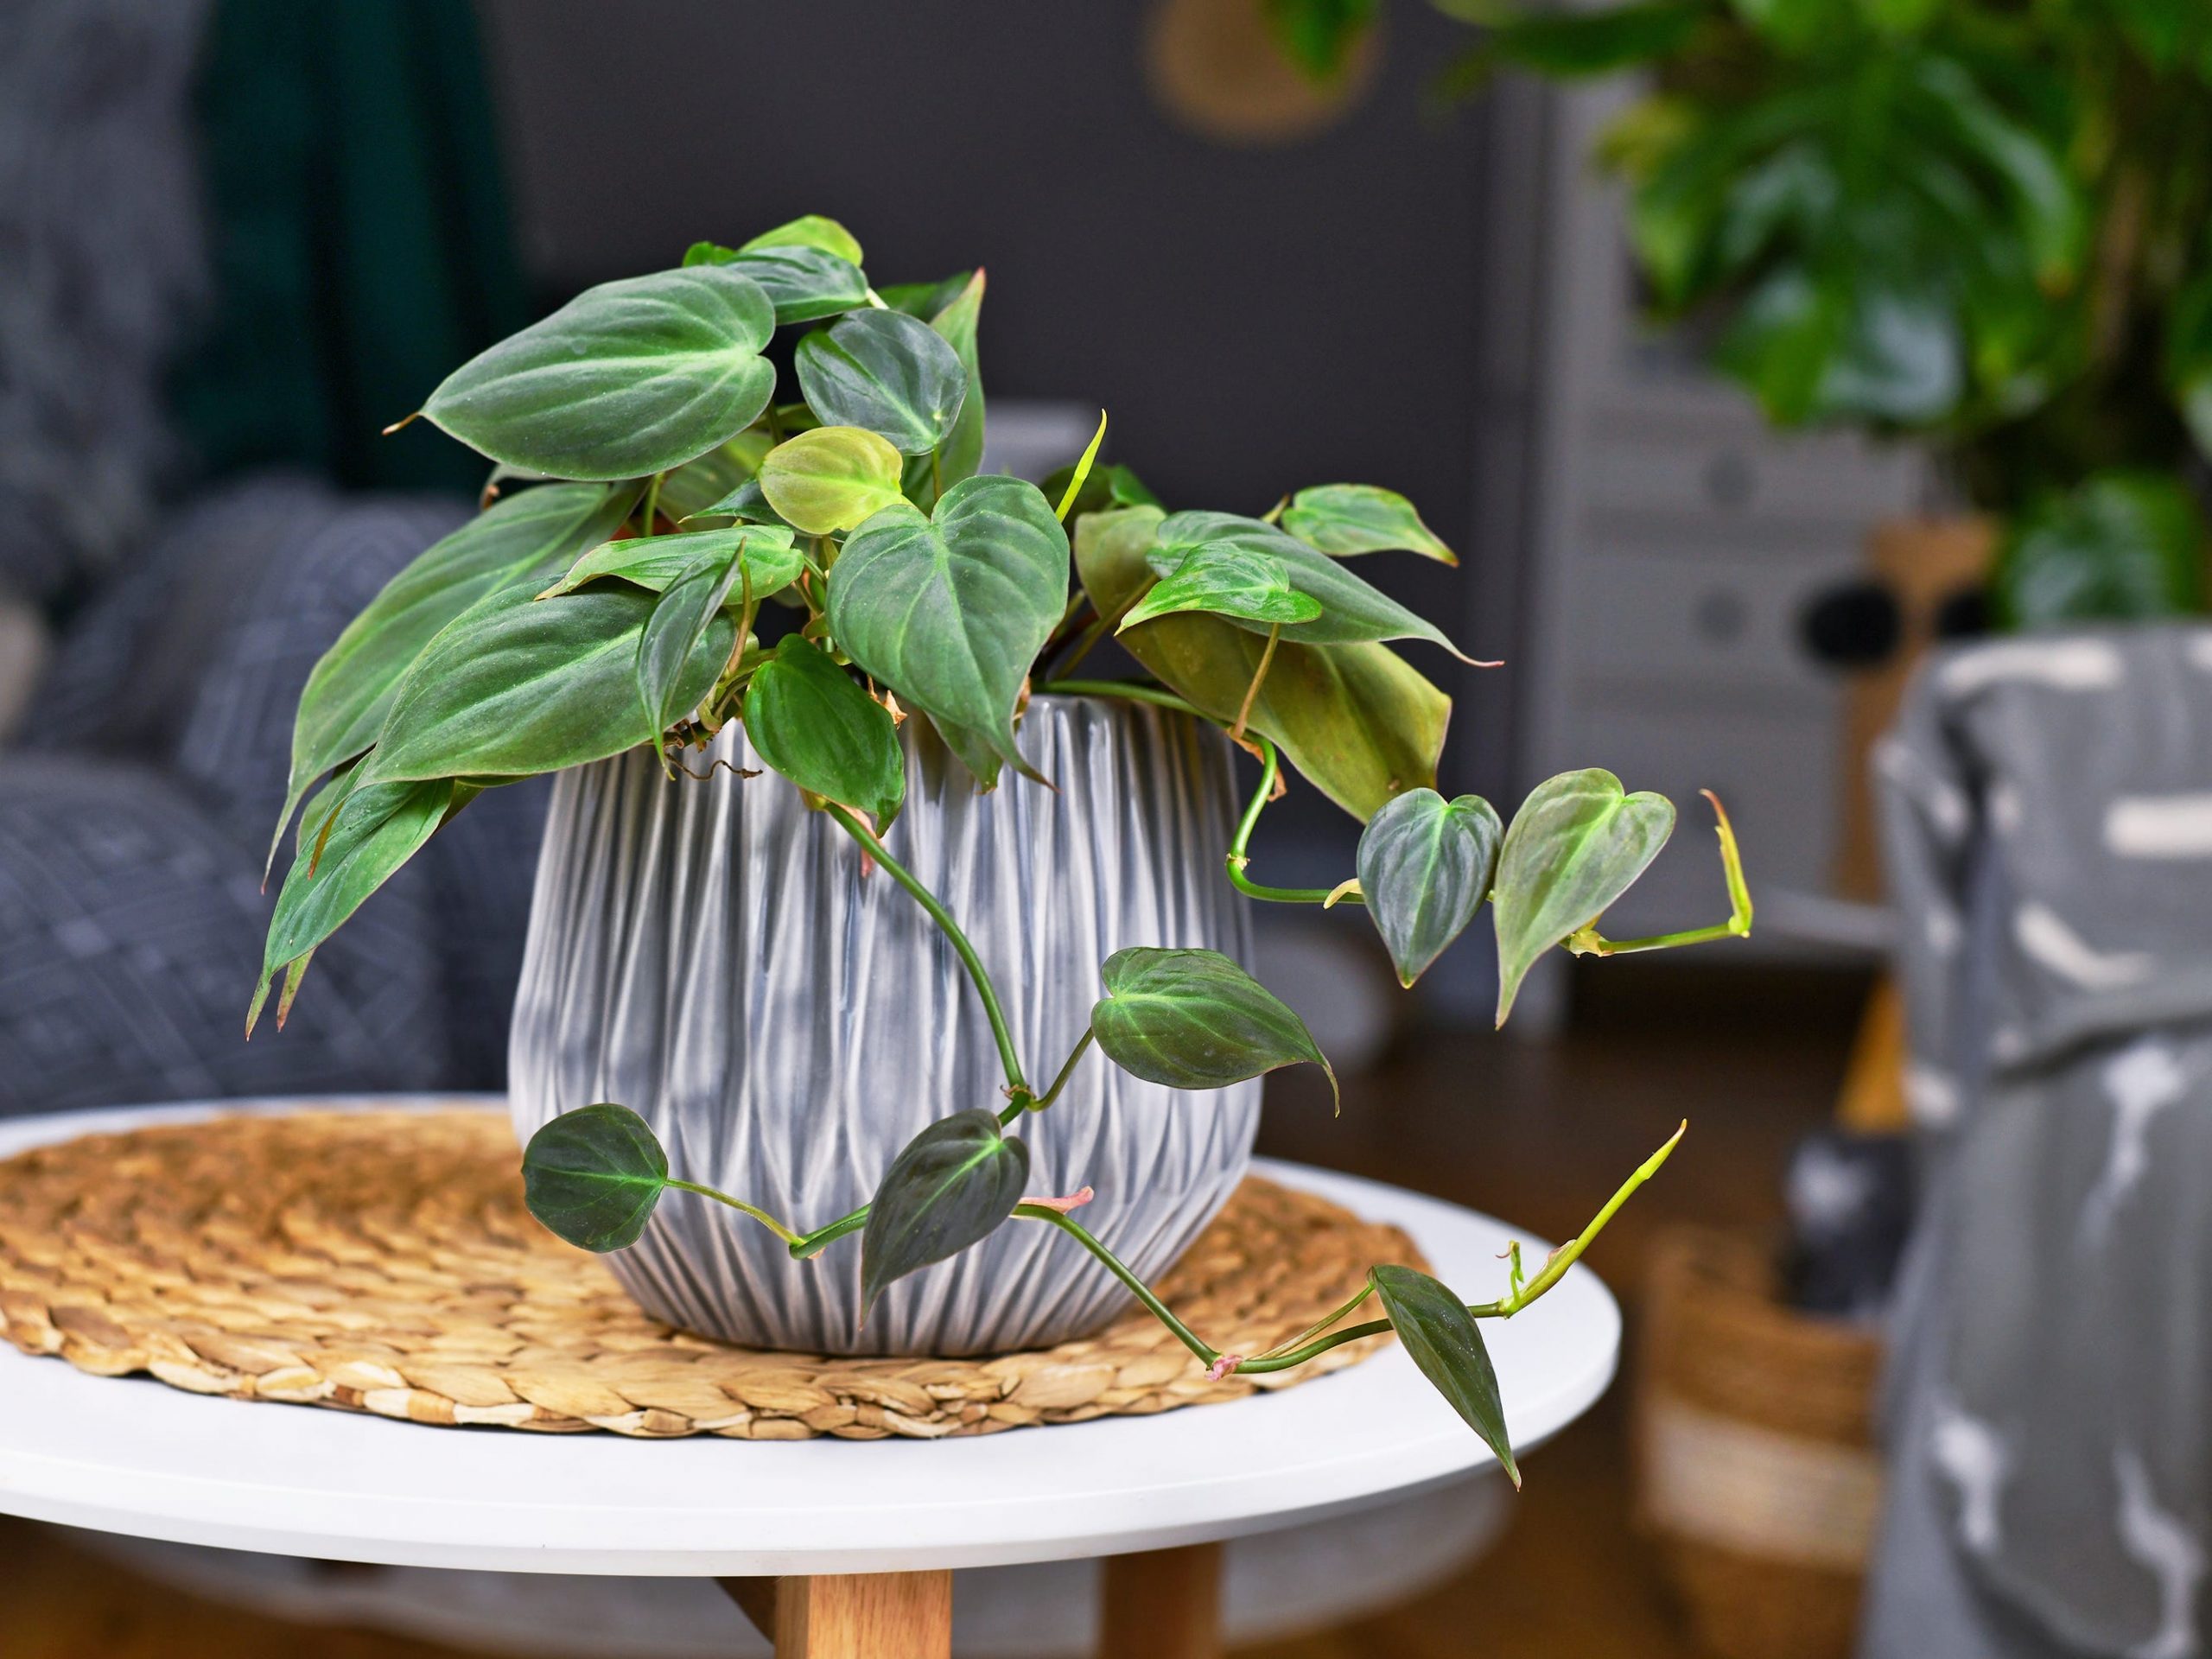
1540 1133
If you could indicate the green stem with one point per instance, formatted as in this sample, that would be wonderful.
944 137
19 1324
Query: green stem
1022 1103
815 1242
1586 941
1252 691
928 901
1135 690
1135 1286
753 1211
652 504
1239 856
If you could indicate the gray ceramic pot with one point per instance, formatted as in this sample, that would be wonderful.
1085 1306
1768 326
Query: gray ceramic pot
709 954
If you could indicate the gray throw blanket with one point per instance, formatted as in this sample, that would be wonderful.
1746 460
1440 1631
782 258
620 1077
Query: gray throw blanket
2049 804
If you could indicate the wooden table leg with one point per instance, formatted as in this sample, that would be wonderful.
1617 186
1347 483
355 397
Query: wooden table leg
851 1615
1161 1603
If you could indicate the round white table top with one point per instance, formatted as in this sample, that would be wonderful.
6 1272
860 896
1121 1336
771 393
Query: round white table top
136 1456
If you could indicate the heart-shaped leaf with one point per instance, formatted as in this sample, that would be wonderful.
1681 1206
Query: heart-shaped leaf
1344 520
351 840
949 610
1576 845
961 454
523 537
1425 864
809 231
653 562
592 1176
802 282
1442 1338
832 477
887 371
628 378
809 720
1357 720
520 685
1227 579
667 688
952 1186
1353 610
1195 1019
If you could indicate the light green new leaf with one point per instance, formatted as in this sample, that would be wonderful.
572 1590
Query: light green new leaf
802 282
1353 610
950 610
628 378
809 231
520 685
1195 1019
592 1176
1577 844
1425 864
887 371
950 1187
1344 520
667 688
355 835
1442 1338
524 537
832 477
654 561
1358 721
1227 579
809 720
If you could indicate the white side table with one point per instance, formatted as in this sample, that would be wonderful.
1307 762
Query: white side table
841 1550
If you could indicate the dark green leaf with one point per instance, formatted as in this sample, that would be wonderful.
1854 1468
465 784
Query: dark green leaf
952 1188
831 479
887 371
520 685
926 300
1357 720
1442 1338
1195 1019
950 610
524 537
812 722
628 378
749 502
1343 519
2125 546
961 454
809 231
695 489
654 561
592 1176
1227 579
1353 611
351 840
1569 44
1575 846
668 690
802 282
1425 864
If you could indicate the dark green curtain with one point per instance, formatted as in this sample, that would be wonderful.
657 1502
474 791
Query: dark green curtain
359 237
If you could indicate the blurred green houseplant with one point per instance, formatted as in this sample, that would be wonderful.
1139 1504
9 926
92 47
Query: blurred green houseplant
1983 223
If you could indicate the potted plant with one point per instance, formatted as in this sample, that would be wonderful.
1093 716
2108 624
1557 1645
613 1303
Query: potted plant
843 847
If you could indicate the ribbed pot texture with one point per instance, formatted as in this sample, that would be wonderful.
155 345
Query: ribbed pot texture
711 954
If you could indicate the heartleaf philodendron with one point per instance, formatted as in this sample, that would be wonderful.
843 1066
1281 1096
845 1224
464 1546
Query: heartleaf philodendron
885 371
811 720
834 478
1195 1019
951 608
1442 1338
1577 844
951 1186
629 378
1424 865
1345 519
1245 584
666 462
592 1176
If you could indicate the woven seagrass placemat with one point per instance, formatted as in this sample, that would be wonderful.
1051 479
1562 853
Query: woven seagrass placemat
382 1262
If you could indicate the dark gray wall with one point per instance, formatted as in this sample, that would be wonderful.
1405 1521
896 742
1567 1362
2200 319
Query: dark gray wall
1255 320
